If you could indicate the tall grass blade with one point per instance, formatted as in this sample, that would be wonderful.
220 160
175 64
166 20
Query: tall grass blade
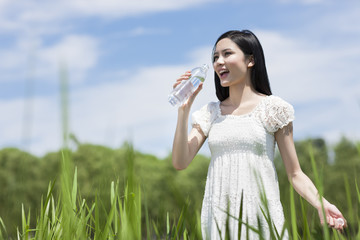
305 226
260 227
185 235
156 230
358 234
113 199
74 190
196 232
167 225
348 199
147 220
357 191
293 214
106 233
247 225
2 226
247 229
97 219
227 227
180 225
25 227
319 186
240 214
218 228
274 234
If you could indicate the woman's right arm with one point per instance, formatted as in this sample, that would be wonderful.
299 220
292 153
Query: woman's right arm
186 146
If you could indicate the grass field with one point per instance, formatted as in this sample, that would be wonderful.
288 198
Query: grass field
71 217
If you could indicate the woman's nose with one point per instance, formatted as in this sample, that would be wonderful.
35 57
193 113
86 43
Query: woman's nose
220 60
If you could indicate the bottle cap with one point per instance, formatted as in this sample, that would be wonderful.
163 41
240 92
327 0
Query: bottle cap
340 221
205 66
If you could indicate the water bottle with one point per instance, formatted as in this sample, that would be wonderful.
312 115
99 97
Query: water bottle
340 221
183 91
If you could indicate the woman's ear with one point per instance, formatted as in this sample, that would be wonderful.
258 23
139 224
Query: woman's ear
251 62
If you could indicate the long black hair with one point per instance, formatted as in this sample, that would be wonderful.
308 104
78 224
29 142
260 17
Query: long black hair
250 46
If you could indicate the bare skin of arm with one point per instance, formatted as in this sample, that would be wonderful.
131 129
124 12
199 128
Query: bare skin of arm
301 182
186 146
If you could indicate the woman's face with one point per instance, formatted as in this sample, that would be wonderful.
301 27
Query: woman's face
230 63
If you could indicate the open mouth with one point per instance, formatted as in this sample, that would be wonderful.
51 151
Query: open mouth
223 73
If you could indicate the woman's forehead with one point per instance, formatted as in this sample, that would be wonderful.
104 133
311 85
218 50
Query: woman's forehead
225 44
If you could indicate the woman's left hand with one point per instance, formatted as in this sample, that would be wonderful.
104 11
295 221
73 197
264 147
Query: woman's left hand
334 218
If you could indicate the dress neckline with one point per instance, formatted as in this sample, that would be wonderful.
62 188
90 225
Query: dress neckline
241 115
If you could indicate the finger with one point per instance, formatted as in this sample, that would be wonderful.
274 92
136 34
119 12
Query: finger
183 77
339 223
178 81
193 96
176 84
331 221
198 89
187 74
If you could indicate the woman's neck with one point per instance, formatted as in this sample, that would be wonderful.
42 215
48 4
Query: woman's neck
241 93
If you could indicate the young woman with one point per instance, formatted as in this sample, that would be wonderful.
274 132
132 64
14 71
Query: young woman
242 129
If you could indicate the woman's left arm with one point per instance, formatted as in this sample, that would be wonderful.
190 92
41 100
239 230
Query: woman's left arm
301 182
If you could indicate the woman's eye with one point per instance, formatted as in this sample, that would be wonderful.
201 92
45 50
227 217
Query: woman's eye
227 53
215 58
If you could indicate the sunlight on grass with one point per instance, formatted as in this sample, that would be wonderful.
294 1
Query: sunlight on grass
70 217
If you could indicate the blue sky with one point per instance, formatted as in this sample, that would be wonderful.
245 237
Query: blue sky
122 57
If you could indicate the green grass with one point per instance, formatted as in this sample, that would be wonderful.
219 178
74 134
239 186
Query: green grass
70 217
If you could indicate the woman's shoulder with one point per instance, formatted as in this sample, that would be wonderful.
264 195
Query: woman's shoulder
210 107
272 102
276 113
204 116
275 100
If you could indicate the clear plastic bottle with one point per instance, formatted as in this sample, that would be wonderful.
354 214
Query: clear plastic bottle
184 90
340 221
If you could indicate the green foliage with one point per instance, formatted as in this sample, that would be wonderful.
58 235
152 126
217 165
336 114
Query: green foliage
102 193
20 183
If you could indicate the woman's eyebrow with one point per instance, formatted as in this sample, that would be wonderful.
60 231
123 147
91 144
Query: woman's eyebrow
224 50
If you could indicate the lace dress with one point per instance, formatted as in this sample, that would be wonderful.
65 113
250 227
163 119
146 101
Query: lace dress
242 153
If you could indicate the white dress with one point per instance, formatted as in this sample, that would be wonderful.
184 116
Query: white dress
242 153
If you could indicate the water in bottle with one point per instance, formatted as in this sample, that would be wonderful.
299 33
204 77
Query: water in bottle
184 90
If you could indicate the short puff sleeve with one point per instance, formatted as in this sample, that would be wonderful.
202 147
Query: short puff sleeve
276 114
204 117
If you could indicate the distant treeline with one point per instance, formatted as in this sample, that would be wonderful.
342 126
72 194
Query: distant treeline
24 179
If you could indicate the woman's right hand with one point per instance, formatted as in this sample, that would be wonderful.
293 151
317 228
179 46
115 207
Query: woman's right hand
334 217
186 146
191 99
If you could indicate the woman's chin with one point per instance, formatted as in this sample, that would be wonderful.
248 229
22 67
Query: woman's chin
224 84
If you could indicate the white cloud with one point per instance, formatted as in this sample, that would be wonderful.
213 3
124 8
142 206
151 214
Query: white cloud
321 81
117 8
141 31
307 2
75 52
39 17
78 53
318 73
136 107
37 131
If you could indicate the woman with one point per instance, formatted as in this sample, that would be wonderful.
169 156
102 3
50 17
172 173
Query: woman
242 128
